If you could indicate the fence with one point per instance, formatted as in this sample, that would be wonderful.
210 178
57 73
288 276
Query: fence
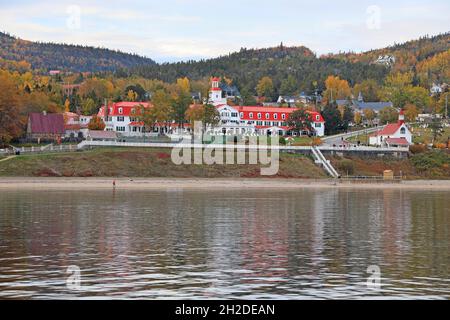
39 149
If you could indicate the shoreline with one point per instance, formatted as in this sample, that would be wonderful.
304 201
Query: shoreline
78 184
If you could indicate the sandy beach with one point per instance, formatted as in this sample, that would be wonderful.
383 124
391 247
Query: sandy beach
202 183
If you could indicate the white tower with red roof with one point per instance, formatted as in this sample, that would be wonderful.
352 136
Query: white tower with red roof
215 93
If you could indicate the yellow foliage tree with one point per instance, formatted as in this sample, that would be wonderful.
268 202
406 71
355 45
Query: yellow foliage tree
336 88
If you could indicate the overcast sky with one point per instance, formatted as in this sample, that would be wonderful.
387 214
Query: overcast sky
171 30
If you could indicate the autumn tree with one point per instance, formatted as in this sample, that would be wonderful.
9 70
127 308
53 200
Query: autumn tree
369 115
369 89
207 114
388 115
411 112
265 87
357 119
88 106
184 85
12 119
96 123
336 88
161 111
182 101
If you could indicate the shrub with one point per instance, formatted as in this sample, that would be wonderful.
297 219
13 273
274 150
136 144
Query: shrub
317 141
439 146
430 160
417 148
282 141
346 166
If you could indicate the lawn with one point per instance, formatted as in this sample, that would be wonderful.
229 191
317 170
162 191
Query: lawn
140 162
306 141
362 138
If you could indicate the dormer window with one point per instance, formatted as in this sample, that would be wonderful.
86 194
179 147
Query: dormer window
317 118
275 116
283 116
267 116
120 110
251 115
259 115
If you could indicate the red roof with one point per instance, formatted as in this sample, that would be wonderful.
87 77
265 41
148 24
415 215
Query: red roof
272 113
126 108
52 123
137 124
397 141
390 129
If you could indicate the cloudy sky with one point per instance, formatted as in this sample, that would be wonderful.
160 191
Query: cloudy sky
172 30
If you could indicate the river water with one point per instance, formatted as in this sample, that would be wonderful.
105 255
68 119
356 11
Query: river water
246 244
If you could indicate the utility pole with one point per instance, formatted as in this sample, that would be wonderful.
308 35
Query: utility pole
446 106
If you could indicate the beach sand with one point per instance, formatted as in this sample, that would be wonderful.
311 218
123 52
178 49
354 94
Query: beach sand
205 183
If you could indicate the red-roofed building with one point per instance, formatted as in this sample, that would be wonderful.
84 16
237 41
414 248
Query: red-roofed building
264 120
45 127
124 117
393 134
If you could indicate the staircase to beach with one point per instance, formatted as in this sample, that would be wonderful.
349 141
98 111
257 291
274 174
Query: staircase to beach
322 161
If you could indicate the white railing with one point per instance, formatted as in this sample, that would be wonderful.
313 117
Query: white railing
39 149
321 160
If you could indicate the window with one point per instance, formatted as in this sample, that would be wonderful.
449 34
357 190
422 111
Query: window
318 125
259 116
120 110
283 116
275 116
251 115
267 123
120 119
241 114
234 114
403 130
267 116
317 117
120 129
259 123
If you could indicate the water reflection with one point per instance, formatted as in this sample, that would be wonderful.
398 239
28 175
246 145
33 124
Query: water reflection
232 244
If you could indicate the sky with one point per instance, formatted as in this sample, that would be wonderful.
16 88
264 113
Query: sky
175 30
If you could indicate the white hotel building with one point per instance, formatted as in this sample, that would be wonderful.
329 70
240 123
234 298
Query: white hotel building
123 118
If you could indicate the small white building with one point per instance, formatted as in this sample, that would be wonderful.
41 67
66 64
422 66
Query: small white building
393 134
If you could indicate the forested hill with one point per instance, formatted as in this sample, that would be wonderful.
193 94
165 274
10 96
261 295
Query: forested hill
49 56
248 66
408 56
